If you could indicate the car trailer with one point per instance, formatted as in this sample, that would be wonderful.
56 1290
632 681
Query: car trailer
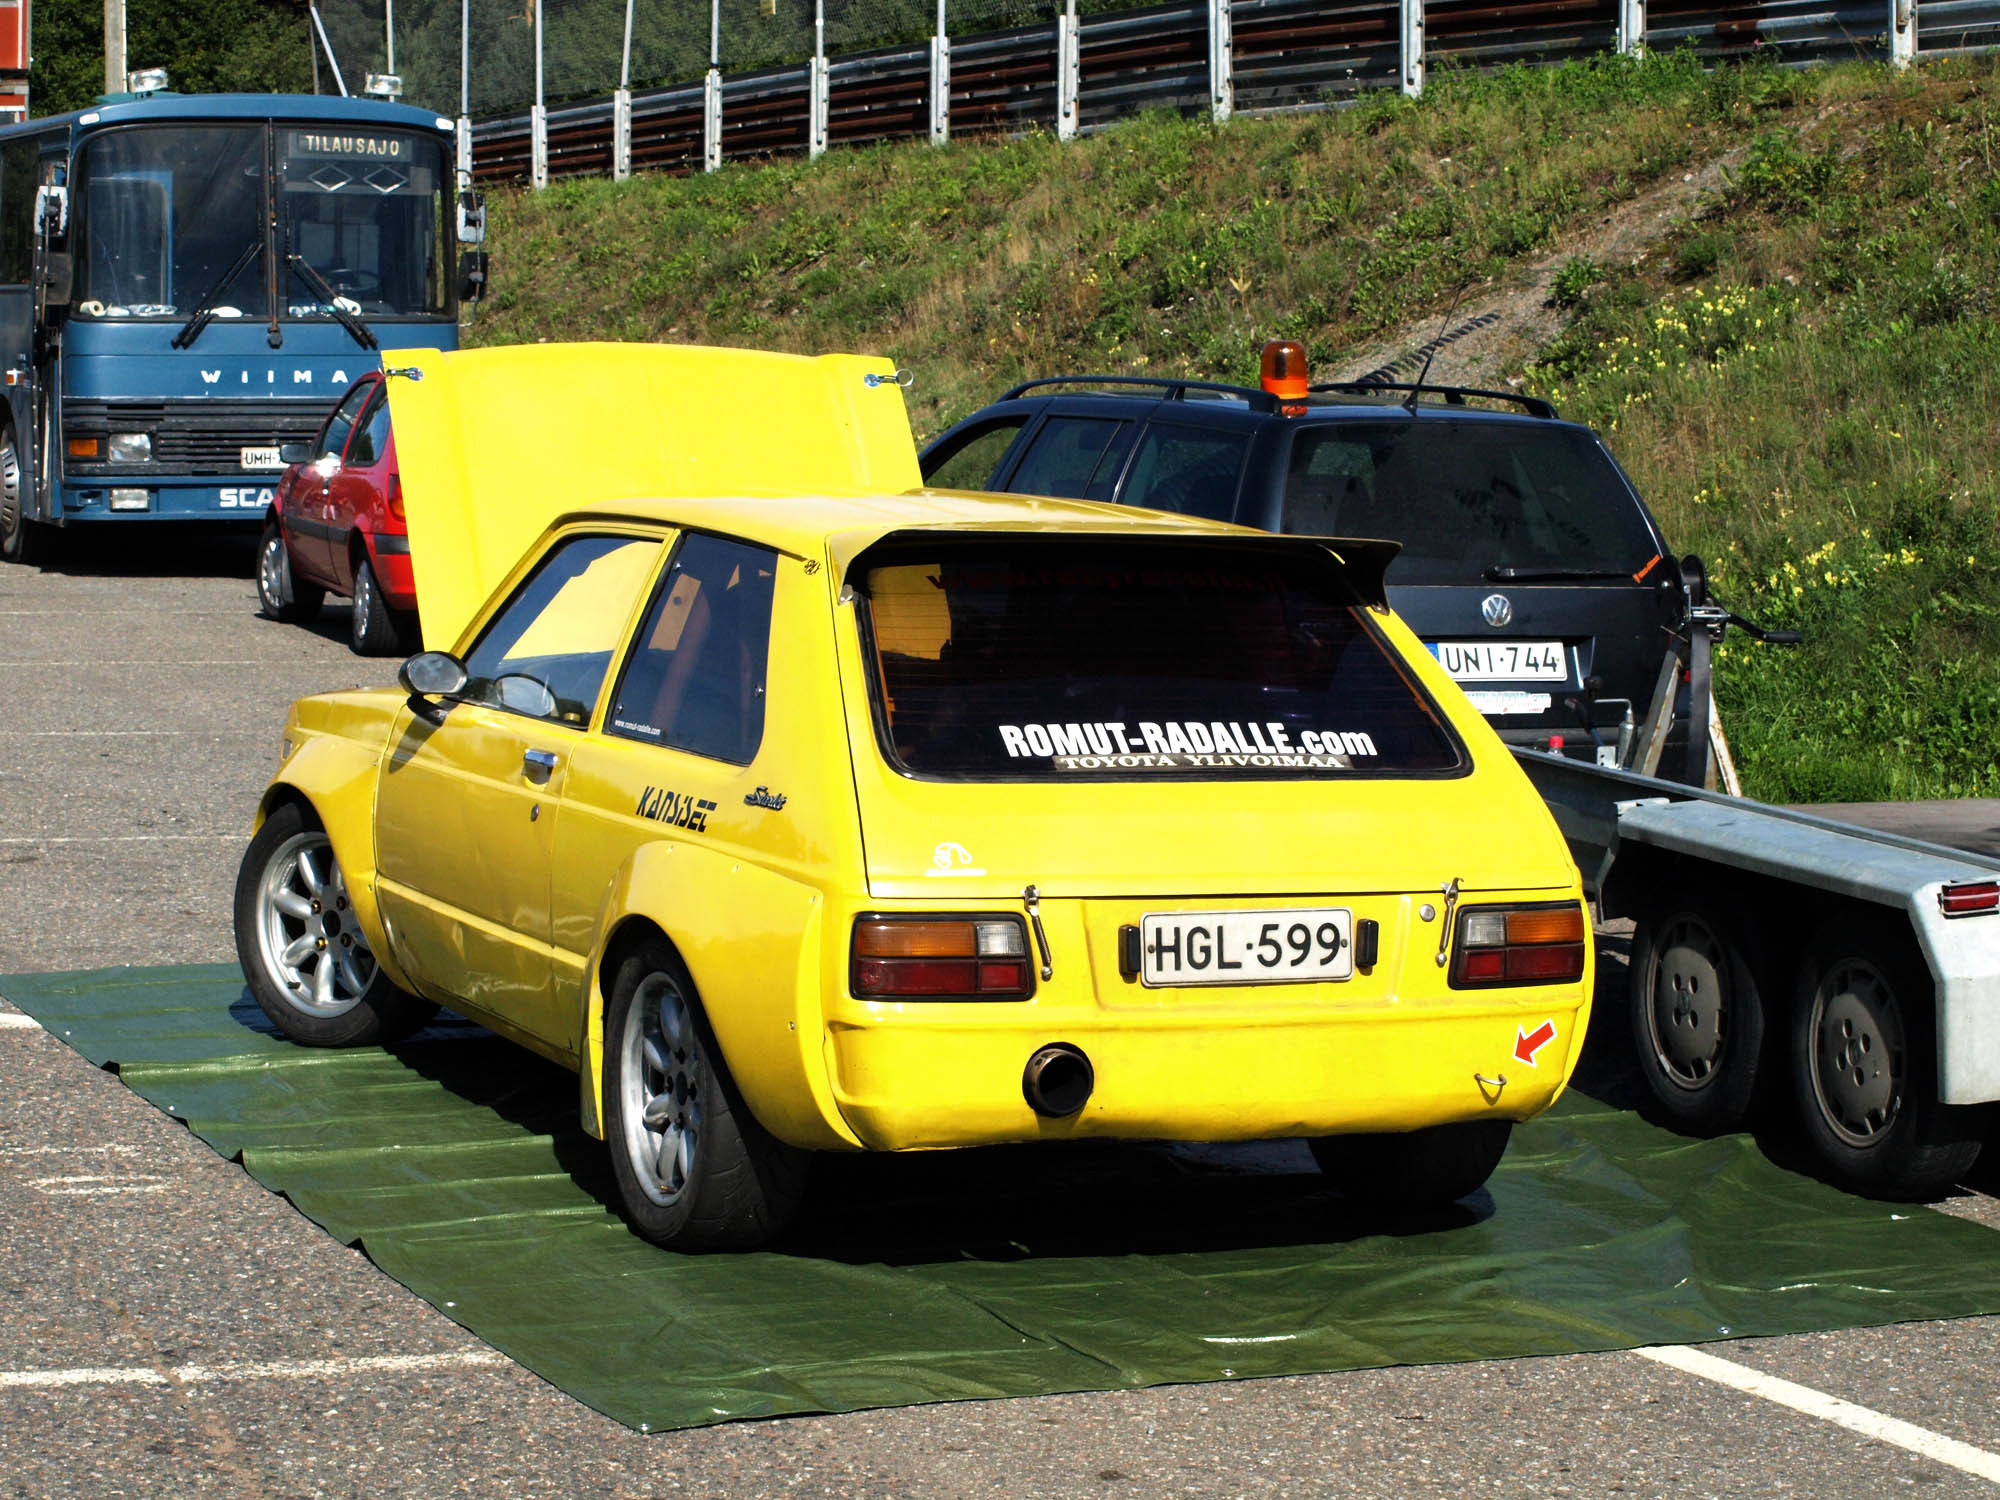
1785 961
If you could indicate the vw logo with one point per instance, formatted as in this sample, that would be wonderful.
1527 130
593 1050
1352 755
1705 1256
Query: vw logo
1496 610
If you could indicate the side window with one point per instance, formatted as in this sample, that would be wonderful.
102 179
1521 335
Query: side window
1076 458
333 438
371 430
696 678
1192 470
970 464
545 654
17 211
1330 489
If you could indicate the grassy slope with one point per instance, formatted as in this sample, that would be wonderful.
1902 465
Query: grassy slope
1808 366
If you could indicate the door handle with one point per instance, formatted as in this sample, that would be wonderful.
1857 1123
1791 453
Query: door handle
537 765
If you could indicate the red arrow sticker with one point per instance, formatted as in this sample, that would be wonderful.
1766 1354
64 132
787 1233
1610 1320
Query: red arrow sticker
1528 1043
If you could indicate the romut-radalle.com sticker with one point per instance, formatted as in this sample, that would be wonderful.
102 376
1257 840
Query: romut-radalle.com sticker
1183 743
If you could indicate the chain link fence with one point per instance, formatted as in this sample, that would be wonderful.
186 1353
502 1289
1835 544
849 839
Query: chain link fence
583 41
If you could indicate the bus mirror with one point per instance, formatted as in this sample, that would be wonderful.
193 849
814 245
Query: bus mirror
471 275
471 218
56 278
52 210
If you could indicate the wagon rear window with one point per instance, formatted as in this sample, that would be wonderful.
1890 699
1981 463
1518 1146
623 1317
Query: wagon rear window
1029 658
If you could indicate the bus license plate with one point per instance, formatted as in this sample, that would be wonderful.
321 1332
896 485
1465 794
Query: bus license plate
261 458
1503 661
1272 946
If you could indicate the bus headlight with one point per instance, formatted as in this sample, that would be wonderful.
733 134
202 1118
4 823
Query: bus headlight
131 447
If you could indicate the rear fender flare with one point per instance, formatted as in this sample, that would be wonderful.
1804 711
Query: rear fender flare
751 940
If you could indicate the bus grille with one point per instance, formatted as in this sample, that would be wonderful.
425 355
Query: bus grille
205 437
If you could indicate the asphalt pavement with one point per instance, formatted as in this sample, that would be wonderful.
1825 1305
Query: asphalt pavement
169 1328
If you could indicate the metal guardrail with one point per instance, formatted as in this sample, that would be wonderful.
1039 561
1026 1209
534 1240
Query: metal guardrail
1273 55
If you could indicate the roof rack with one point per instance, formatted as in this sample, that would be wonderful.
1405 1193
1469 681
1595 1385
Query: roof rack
1451 395
1171 390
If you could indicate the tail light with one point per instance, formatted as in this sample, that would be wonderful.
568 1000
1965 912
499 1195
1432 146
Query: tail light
396 496
1969 898
940 958
1499 945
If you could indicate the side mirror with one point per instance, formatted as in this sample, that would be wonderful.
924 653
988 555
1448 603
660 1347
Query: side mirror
294 453
471 275
52 210
471 217
433 679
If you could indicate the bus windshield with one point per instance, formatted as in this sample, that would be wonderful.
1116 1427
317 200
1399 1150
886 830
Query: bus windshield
174 221
168 212
366 209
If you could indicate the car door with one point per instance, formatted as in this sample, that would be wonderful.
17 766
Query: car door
307 522
681 733
467 810
352 491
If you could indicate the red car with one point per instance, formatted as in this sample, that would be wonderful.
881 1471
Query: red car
336 527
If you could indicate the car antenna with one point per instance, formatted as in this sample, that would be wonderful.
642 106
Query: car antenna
1436 344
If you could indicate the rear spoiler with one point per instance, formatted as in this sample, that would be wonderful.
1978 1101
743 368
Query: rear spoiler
1363 560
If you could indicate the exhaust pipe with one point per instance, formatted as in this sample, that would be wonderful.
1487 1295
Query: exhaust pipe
1057 1081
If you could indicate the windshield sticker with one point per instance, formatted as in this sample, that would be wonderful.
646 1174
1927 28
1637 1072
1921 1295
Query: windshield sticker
1177 744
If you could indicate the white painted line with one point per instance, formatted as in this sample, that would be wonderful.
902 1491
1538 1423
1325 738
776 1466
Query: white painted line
69 1150
86 734
281 1369
96 1187
1859 1419
117 838
14 1021
132 662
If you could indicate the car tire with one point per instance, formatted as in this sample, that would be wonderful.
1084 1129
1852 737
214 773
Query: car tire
372 629
1414 1169
1864 1068
305 957
279 593
695 1171
20 538
1697 1014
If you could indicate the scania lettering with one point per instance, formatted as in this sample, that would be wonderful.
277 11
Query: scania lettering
188 284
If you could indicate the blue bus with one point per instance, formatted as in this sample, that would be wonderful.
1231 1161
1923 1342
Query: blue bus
189 282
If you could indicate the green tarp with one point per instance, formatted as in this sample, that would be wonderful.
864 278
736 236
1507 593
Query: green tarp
456 1164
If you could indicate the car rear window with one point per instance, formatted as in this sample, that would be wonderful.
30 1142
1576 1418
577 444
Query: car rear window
1025 658
1466 497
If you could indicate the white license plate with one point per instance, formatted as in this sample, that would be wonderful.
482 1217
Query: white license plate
1273 946
1503 661
261 458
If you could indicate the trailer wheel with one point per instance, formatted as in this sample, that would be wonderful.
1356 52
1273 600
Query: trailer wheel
1697 1015
1864 1069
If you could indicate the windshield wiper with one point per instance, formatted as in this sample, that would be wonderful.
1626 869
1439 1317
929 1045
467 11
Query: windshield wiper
363 335
1543 575
204 310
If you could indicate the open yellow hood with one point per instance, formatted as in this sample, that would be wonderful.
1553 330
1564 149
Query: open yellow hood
494 444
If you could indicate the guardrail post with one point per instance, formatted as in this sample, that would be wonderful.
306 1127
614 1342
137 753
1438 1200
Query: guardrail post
711 121
464 151
1631 25
1221 75
538 146
1902 33
621 135
1413 47
1069 73
816 85
940 89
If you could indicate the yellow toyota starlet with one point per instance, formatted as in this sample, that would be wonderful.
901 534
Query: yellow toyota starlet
797 814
